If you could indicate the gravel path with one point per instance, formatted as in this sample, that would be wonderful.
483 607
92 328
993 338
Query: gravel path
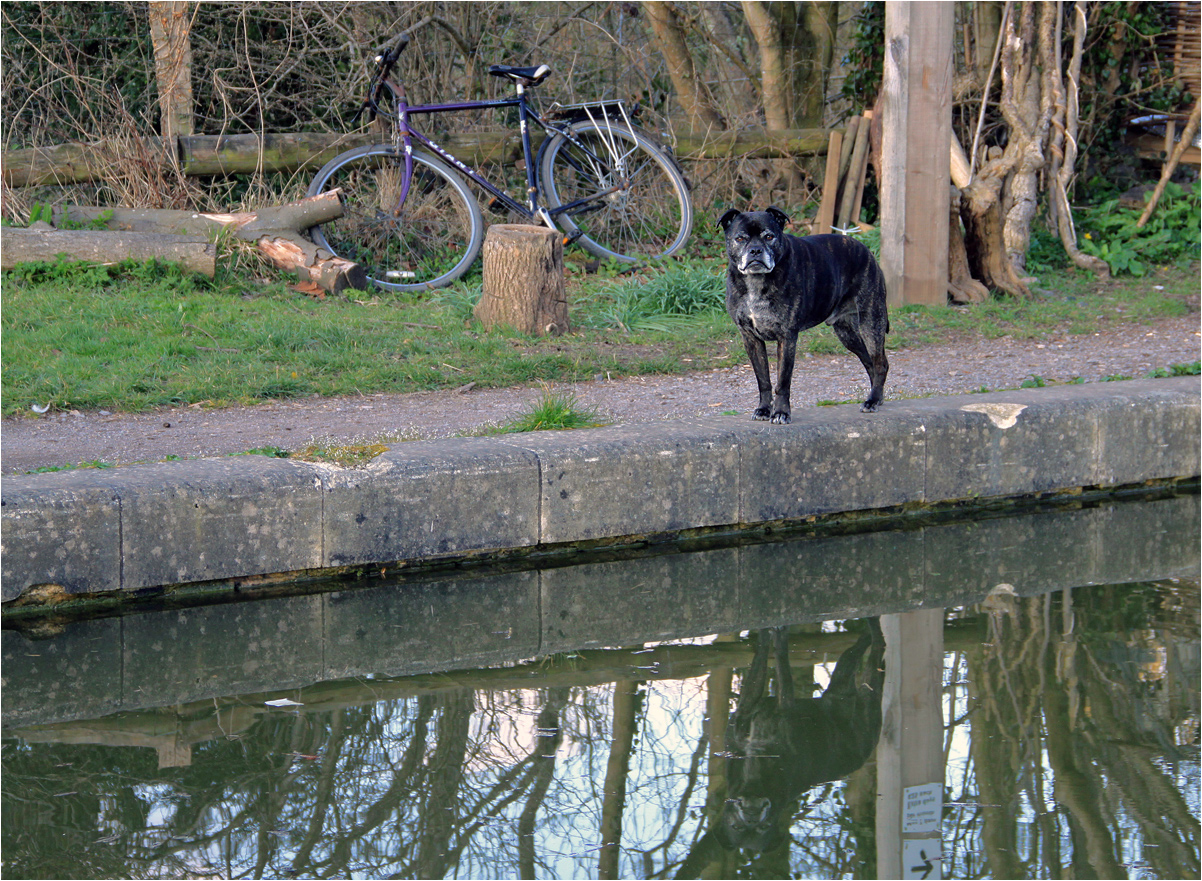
118 438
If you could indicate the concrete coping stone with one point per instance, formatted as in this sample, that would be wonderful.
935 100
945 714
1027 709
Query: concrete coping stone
80 532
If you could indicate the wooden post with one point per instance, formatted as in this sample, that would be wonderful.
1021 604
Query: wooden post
915 163
830 186
523 280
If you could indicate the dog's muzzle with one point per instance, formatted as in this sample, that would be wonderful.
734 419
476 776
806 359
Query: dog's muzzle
756 263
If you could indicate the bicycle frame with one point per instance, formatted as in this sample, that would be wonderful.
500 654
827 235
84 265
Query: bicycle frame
407 134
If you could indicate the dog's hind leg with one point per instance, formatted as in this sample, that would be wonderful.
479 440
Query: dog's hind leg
871 354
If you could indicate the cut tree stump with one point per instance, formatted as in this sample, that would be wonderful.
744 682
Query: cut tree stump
523 280
196 254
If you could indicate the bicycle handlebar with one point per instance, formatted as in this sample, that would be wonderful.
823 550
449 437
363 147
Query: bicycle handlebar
385 57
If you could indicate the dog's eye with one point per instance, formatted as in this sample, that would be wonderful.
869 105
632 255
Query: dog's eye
768 237
740 239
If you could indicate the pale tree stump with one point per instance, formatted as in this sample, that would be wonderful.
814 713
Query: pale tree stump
523 280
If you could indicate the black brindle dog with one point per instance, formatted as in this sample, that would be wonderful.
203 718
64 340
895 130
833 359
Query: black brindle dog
778 285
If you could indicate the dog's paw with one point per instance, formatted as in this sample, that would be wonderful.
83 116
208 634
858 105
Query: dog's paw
870 406
780 418
761 414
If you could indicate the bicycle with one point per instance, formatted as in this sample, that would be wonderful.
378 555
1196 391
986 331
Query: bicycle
410 220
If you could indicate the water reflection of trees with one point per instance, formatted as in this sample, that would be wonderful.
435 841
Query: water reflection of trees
1083 709
1072 718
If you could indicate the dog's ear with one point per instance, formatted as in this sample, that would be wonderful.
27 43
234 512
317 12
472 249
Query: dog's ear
725 219
781 217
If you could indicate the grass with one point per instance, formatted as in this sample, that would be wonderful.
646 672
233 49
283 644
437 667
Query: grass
553 411
136 337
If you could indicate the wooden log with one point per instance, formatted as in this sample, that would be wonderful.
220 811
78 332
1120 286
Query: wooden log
830 187
523 280
105 248
201 155
73 162
859 201
275 230
857 168
249 226
294 253
781 143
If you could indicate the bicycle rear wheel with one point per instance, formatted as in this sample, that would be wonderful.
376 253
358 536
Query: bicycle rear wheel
625 196
427 242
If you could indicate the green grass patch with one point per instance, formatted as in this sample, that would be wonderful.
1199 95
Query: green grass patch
552 412
138 336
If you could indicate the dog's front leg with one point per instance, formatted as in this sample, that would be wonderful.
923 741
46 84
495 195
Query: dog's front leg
758 353
786 352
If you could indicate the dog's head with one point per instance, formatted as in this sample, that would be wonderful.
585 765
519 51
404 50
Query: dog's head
754 239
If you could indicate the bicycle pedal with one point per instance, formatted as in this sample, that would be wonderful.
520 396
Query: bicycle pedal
572 236
496 206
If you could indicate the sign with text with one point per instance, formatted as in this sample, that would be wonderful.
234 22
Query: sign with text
922 808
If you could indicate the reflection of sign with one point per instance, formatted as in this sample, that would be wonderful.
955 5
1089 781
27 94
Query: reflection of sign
921 808
922 858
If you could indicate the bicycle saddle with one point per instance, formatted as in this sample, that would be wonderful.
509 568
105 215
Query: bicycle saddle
527 76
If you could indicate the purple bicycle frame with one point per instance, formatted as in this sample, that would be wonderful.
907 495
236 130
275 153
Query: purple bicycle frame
532 209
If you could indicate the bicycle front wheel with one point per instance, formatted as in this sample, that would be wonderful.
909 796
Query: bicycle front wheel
624 195
426 242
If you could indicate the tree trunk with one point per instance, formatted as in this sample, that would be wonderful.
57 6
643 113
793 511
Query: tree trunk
961 286
981 211
35 245
669 36
523 280
776 84
1028 113
1064 145
170 34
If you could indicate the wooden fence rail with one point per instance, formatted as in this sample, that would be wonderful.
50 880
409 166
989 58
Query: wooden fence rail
203 155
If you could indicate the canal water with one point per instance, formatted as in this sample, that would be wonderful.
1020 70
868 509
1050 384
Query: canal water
1011 695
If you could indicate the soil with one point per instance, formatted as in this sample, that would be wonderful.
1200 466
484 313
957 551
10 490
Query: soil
70 438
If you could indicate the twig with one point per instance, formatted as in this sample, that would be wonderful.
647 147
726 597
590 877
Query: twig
1187 138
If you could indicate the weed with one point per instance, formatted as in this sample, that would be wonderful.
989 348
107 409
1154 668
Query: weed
1192 369
1172 234
47 469
273 452
344 455
552 411
1033 381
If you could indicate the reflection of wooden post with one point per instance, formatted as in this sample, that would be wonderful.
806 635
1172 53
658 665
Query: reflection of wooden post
910 753
523 280
916 131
